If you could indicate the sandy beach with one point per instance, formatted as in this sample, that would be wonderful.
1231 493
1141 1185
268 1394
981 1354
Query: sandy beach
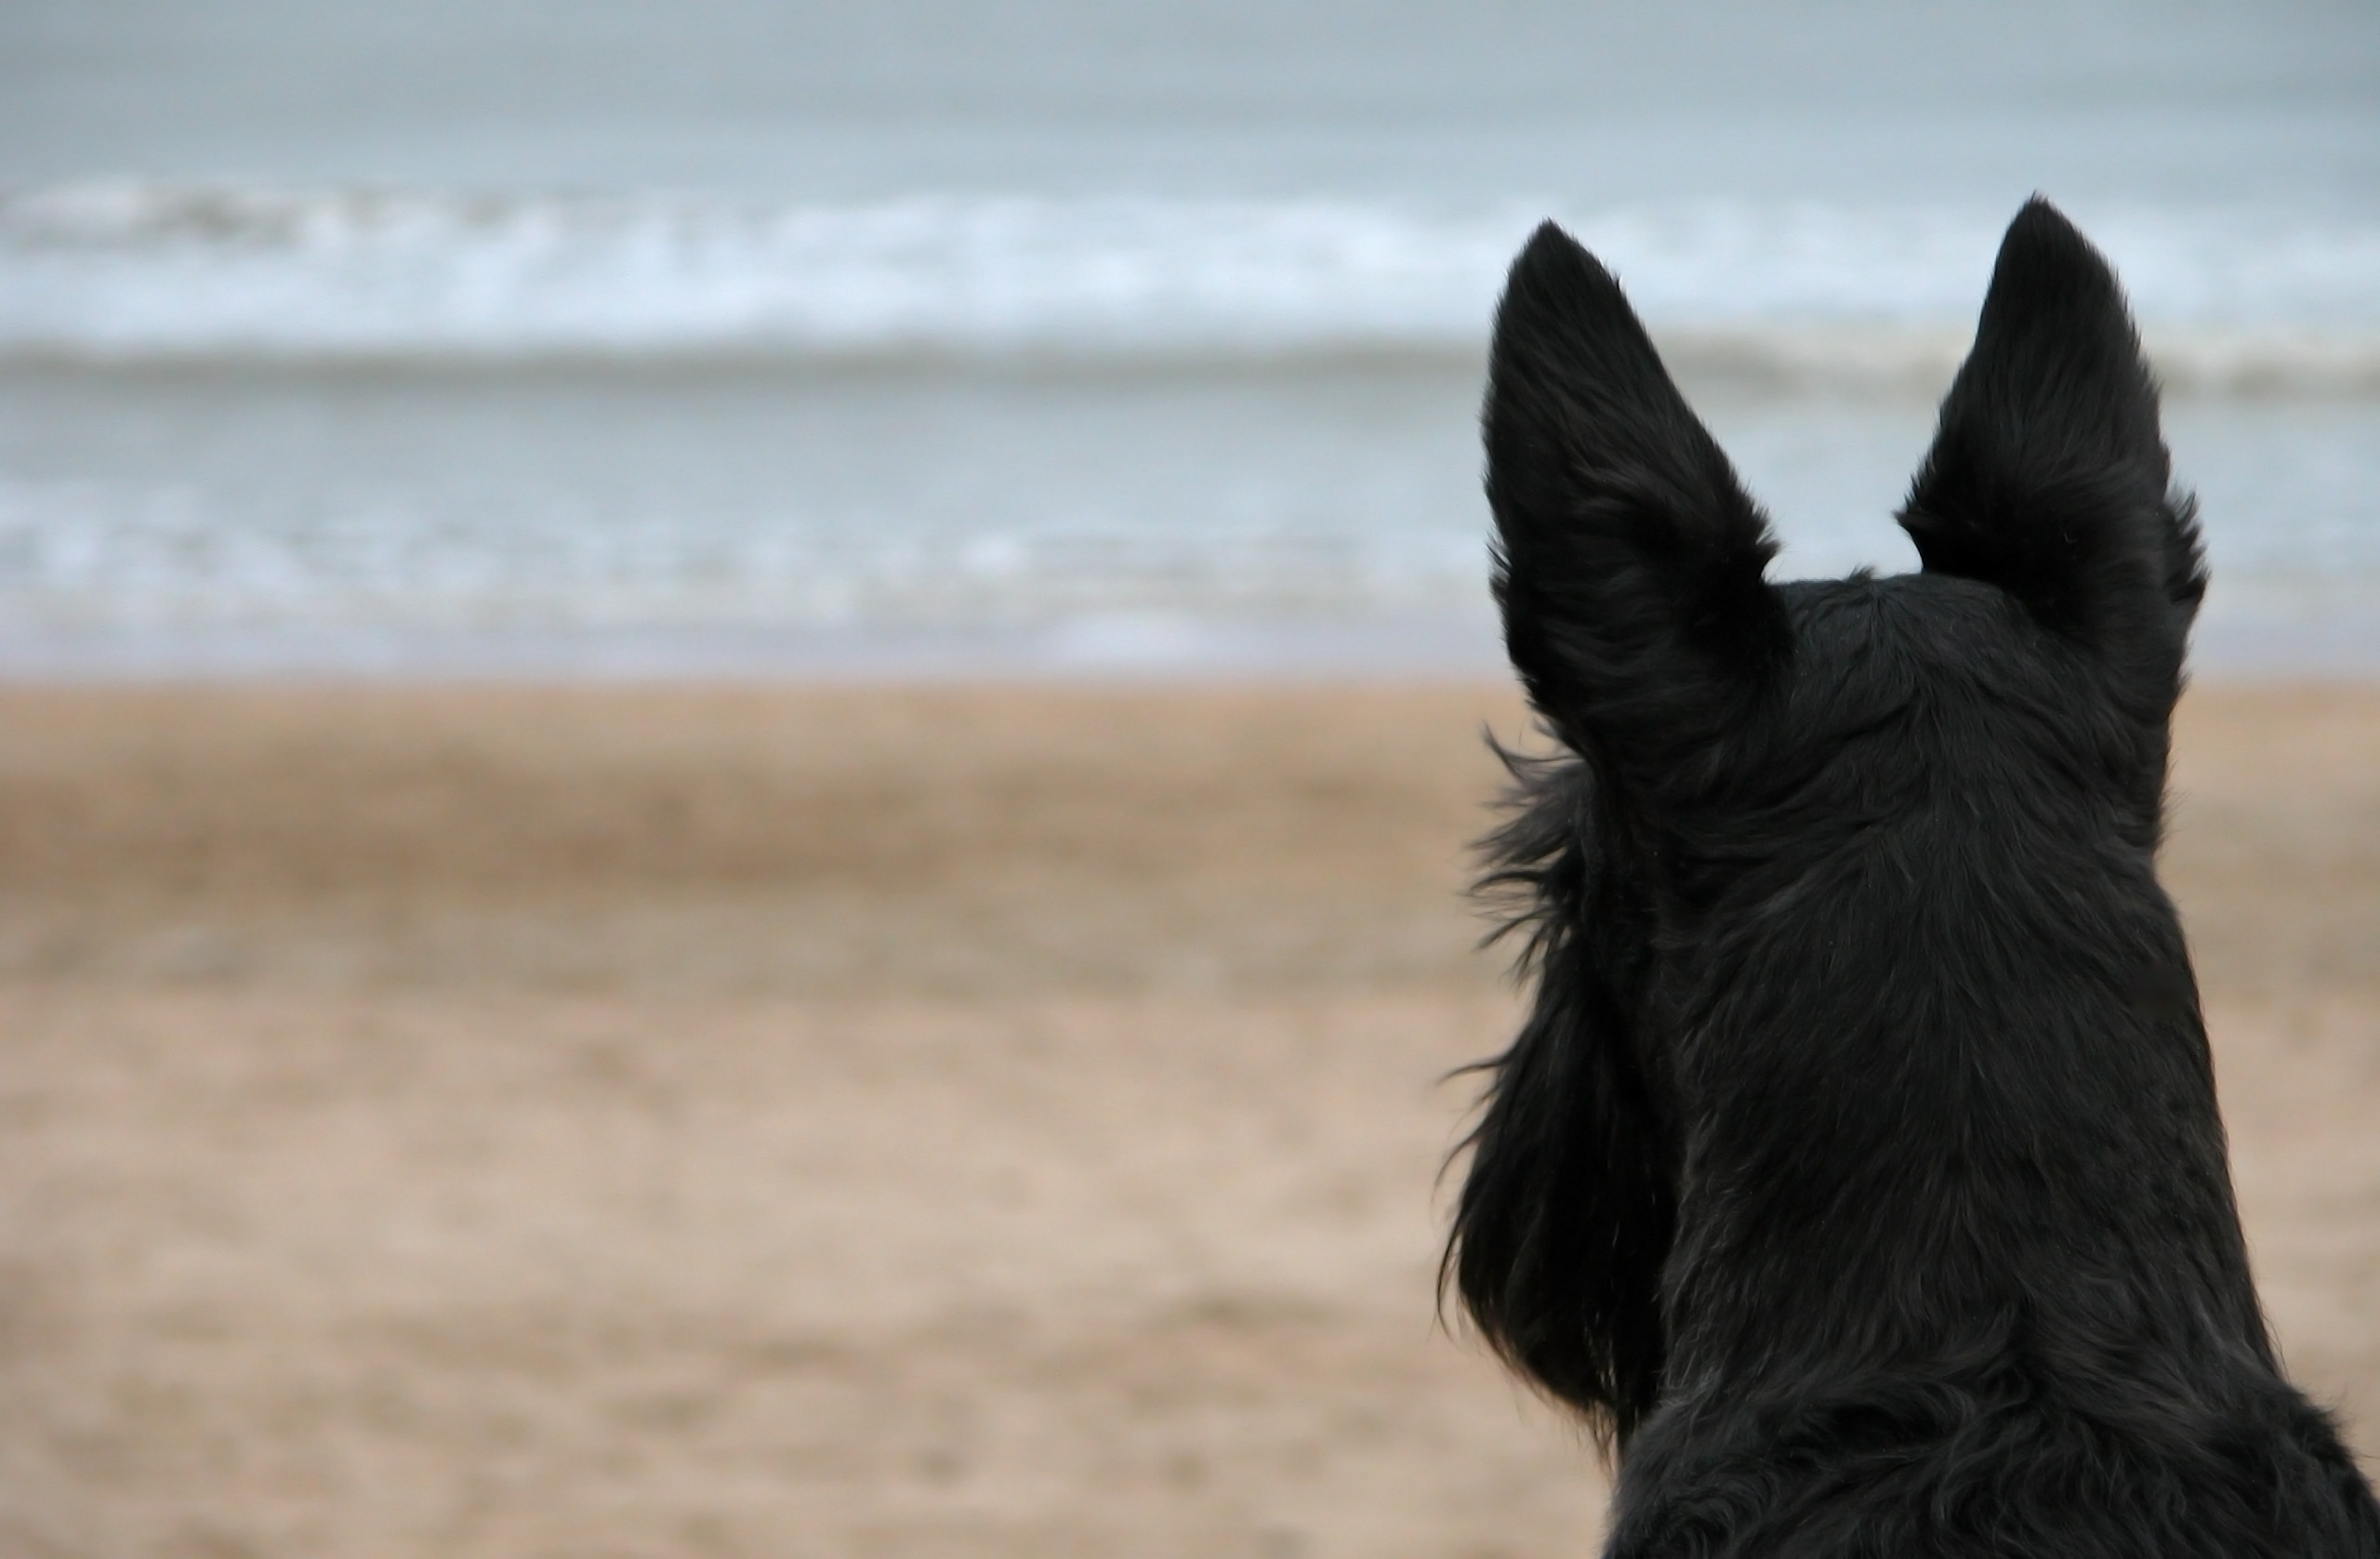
559 1123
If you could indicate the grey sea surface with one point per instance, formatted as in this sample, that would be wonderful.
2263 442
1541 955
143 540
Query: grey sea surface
1077 339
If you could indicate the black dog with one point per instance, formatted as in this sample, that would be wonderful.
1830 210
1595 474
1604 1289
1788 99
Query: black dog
1857 1172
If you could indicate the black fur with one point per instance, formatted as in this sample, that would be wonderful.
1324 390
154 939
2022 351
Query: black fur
1857 1172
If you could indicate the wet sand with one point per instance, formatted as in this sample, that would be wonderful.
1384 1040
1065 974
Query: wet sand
905 1123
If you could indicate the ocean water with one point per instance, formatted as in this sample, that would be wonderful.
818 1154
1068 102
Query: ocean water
1079 338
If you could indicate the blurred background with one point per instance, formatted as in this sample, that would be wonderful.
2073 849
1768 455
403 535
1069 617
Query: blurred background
1058 335
737 740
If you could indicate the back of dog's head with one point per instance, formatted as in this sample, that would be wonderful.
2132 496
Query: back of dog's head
1840 894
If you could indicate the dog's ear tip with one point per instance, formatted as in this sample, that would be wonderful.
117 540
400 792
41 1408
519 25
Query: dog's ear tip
2045 259
1548 246
2041 228
1553 267
2039 217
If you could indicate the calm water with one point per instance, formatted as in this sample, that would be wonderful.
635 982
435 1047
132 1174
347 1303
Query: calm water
1079 337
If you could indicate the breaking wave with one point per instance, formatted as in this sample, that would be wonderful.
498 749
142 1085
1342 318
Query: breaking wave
136 273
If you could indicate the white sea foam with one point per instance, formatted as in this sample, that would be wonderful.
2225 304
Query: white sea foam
2229 297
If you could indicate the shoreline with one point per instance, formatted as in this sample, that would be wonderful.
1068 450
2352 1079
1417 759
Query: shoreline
2269 642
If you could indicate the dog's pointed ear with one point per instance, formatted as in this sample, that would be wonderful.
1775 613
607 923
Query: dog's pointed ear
1630 561
2048 476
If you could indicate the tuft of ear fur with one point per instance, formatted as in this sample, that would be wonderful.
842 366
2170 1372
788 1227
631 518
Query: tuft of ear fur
1569 1205
2048 476
1629 561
